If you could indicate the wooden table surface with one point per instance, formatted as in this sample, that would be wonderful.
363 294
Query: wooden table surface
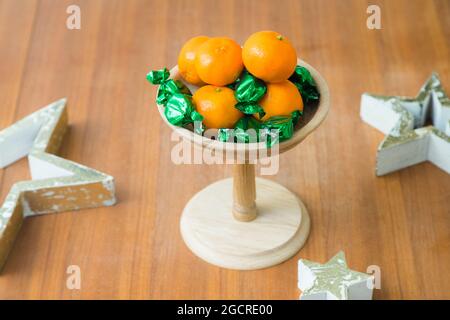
400 222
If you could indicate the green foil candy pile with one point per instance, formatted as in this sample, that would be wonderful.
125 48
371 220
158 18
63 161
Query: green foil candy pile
249 130
176 98
180 111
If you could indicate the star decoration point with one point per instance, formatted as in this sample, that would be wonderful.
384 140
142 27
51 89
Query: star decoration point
332 280
409 140
57 184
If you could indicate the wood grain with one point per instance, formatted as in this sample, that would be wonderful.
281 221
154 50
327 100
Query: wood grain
400 222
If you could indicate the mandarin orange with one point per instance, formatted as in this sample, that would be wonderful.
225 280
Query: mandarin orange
186 60
219 61
281 99
216 105
269 56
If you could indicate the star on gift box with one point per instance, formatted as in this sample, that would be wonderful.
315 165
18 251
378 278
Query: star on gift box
408 141
57 184
333 281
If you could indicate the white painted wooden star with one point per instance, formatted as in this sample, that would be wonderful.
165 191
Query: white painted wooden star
57 184
408 141
333 281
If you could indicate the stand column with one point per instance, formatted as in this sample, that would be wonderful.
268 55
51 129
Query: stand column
244 192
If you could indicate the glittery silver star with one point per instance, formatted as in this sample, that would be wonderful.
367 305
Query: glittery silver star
332 280
408 141
58 184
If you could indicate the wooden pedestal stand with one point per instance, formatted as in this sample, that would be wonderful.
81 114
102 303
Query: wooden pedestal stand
246 223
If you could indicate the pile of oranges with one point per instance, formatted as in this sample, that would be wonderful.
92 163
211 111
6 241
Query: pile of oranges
214 63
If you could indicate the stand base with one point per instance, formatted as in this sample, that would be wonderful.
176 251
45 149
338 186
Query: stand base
279 231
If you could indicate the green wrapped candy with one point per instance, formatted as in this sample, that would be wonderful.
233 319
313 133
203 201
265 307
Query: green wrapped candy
305 84
158 76
250 108
248 91
277 129
167 87
249 88
180 110
177 99
246 130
